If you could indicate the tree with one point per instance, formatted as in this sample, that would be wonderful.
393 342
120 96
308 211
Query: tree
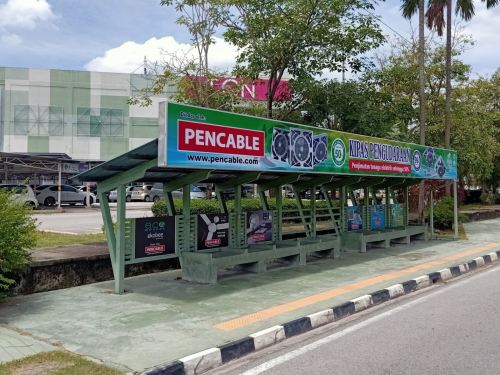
192 77
302 38
409 7
351 106
436 21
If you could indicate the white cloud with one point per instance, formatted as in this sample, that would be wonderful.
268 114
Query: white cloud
484 28
10 39
129 56
25 14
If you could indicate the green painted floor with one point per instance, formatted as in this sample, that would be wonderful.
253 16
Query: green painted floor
162 318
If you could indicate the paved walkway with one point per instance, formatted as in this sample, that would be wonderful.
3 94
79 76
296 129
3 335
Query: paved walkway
14 345
162 318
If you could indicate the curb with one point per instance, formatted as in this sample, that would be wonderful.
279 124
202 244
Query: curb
201 362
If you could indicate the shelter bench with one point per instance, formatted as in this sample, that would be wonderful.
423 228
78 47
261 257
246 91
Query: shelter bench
383 238
203 267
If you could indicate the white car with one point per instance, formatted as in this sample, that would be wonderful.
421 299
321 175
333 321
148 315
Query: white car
22 193
195 193
69 195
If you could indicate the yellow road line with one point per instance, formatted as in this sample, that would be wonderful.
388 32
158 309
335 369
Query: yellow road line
257 316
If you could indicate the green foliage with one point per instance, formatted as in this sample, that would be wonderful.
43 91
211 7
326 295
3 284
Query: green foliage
17 235
487 197
300 37
443 214
211 206
351 106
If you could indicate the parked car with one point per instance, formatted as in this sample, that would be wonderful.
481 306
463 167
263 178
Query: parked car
69 195
93 190
195 193
140 193
113 194
22 193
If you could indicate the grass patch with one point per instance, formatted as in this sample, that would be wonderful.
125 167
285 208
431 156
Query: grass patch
450 232
49 239
55 363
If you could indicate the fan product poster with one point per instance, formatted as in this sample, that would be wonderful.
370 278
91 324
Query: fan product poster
213 231
154 236
354 218
259 226
397 215
207 138
377 216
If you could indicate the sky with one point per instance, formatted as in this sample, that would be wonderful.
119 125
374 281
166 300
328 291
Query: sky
115 35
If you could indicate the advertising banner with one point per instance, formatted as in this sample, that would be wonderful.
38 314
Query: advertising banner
354 218
259 226
397 215
154 236
213 231
377 216
206 138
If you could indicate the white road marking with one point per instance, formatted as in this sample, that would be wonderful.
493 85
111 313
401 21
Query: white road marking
356 327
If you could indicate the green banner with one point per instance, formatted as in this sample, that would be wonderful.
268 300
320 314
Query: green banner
196 137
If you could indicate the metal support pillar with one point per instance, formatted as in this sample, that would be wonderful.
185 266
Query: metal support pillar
237 213
169 200
87 194
387 208
221 200
431 214
329 205
279 208
120 240
407 203
186 213
343 204
108 230
455 210
366 219
263 200
59 170
312 211
300 206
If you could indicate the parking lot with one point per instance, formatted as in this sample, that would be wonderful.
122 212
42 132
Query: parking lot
80 219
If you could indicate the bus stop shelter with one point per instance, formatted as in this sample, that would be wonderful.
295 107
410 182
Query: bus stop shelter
199 145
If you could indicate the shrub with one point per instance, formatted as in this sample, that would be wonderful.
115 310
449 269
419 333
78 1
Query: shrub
17 235
443 214
487 197
211 206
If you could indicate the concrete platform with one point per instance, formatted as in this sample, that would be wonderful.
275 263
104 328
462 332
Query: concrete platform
162 318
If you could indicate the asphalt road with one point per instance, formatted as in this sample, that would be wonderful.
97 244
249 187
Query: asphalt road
447 329
80 219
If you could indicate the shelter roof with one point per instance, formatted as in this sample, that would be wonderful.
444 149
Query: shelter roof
149 152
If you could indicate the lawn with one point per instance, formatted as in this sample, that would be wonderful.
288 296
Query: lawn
55 363
49 239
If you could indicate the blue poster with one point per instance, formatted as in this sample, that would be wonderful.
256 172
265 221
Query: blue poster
377 216
354 218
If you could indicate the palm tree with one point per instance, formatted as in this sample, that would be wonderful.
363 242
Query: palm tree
436 21
409 7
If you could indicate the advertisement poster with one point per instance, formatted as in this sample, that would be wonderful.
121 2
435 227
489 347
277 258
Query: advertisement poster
259 226
397 214
154 236
209 138
213 231
354 218
377 216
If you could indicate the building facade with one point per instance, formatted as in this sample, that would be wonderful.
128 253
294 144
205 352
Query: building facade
79 113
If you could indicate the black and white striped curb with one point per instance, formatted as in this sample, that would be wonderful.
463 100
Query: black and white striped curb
201 362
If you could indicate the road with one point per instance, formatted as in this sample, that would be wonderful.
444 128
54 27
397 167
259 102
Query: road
80 219
450 329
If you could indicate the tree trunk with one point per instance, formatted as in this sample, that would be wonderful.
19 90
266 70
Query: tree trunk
421 95
447 113
270 96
